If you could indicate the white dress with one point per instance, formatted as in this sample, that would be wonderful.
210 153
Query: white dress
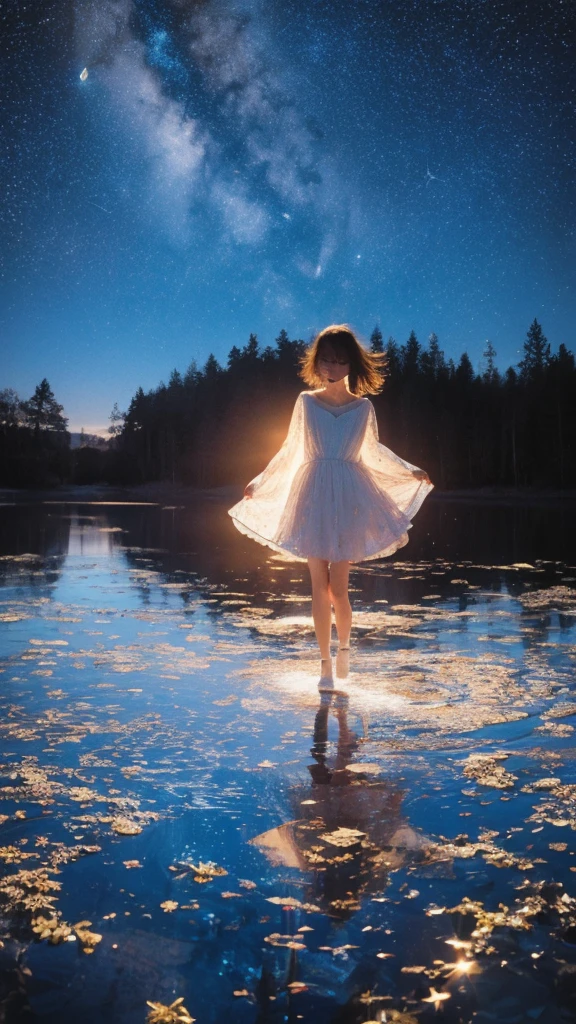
332 491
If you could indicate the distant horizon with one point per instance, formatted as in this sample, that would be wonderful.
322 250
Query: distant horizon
102 431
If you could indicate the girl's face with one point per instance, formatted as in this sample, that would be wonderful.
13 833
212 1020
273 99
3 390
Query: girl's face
332 367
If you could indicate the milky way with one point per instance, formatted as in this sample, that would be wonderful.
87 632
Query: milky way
180 174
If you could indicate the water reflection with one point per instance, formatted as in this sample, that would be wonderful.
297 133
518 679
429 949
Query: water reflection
159 707
350 833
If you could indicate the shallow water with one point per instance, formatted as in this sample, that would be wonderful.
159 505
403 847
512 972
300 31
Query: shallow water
160 721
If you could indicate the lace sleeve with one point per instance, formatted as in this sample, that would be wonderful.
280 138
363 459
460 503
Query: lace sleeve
395 475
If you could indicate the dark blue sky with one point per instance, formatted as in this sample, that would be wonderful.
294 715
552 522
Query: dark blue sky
228 167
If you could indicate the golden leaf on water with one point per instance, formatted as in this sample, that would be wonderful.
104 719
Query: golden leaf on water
87 938
241 992
176 1013
169 905
289 901
245 883
131 863
486 771
338 950
51 928
202 872
13 854
343 837
286 941
125 826
83 794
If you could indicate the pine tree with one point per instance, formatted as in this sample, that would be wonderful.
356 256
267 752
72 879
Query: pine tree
491 374
10 408
191 375
536 354
42 411
117 419
464 371
283 342
410 353
565 359
376 340
234 357
212 369
432 359
393 362
250 351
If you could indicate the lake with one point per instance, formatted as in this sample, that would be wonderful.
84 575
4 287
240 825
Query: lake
184 816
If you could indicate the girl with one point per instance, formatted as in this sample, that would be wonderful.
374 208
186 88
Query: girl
333 494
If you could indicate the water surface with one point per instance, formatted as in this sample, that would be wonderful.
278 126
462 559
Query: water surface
171 775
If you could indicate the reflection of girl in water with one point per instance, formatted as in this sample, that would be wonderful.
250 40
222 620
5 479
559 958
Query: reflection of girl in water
333 494
350 832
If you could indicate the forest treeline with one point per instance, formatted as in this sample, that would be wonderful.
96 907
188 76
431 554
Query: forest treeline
221 424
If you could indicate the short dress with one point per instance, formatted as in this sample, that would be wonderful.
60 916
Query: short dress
332 491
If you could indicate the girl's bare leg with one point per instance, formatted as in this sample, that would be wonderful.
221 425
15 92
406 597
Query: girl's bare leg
321 610
338 592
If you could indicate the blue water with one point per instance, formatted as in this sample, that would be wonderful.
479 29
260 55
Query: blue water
159 676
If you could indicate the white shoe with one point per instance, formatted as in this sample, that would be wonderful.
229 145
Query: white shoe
326 681
342 662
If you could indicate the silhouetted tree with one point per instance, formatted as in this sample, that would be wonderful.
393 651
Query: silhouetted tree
376 340
10 409
221 424
432 360
42 411
536 355
117 420
410 356
490 374
393 360
212 369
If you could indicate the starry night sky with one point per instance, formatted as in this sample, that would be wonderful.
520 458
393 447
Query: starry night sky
230 166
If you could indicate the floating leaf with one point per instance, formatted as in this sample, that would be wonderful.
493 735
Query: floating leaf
169 905
343 837
51 928
286 941
125 826
87 938
176 1013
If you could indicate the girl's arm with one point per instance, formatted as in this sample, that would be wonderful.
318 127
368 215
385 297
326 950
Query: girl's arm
278 470
406 484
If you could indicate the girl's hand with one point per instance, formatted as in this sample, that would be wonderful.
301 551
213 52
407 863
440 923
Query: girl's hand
249 490
421 474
